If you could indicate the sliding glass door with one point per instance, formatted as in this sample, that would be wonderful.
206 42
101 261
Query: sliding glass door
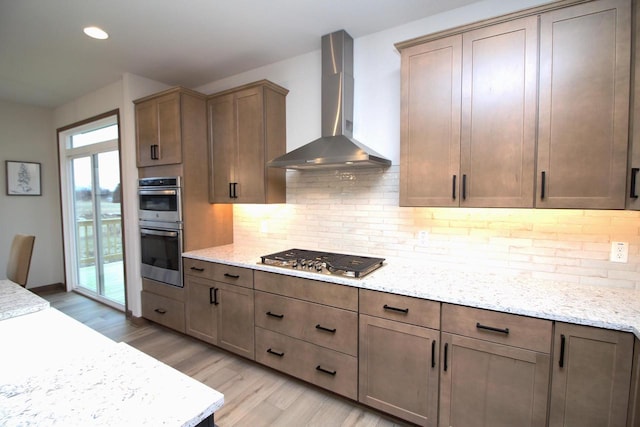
94 253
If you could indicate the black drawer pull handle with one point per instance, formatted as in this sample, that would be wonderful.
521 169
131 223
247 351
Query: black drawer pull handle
326 371
446 357
276 353
634 180
433 353
322 328
232 276
400 310
492 329
279 316
543 184
200 269
562 344
160 311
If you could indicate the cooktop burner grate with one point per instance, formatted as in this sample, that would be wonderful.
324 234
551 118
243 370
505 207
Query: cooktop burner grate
324 262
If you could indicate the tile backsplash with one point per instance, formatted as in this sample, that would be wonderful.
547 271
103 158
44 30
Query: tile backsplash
357 211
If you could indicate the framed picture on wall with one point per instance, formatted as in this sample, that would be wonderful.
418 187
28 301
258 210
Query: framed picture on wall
23 178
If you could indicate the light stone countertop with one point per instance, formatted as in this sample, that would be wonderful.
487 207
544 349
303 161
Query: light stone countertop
610 308
17 301
56 371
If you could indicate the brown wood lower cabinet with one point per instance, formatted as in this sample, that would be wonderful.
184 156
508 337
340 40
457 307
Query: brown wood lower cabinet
399 369
591 377
221 314
485 384
163 304
494 369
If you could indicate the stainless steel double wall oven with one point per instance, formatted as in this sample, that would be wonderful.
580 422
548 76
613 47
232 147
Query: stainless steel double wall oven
160 220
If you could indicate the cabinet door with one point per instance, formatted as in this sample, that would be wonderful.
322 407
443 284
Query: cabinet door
158 131
201 309
250 166
235 319
483 384
430 123
222 135
499 105
169 129
399 369
591 377
584 105
633 178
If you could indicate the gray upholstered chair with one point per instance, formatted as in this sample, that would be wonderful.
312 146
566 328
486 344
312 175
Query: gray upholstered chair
20 258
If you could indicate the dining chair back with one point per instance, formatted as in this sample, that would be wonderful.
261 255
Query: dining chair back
20 258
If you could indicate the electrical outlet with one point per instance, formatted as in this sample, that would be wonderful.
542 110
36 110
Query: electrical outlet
423 238
619 252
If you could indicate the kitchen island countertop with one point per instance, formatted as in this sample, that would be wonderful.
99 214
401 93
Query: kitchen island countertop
56 371
17 301
516 293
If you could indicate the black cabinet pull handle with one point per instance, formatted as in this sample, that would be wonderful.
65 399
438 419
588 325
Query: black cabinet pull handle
200 269
233 190
232 276
322 328
464 186
634 180
160 311
433 353
326 371
153 157
543 184
213 300
492 329
279 316
400 310
446 356
276 353
453 188
562 345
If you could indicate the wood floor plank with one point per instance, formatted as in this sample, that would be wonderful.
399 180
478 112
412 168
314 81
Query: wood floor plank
255 395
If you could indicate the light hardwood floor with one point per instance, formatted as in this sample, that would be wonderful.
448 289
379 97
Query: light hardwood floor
254 395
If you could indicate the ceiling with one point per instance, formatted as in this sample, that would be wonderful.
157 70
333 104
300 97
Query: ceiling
46 60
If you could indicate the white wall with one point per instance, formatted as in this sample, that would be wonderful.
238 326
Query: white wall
26 135
119 95
376 75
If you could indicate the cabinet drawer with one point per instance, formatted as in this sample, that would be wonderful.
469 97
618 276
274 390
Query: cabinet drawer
163 310
219 272
325 326
400 308
325 368
163 289
316 291
510 329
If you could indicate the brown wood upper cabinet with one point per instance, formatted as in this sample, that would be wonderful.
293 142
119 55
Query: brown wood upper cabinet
468 118
584 105
247 128
489 121
159 127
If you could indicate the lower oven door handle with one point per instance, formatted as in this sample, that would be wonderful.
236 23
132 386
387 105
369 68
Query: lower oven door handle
157 192
145 231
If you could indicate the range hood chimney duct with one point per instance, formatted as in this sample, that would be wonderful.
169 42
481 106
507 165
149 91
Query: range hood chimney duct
336 148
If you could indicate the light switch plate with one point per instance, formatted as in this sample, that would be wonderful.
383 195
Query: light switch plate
619 252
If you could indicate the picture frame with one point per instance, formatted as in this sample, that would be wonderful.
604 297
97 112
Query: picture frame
23 178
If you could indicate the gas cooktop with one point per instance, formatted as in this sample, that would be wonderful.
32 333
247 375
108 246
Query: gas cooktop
324 262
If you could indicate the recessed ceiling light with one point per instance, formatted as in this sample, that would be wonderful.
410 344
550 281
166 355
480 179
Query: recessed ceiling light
96 33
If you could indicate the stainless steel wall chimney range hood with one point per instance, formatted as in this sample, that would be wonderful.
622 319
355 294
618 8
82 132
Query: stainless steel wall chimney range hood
336 148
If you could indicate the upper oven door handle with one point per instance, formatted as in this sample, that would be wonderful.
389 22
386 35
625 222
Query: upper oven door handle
157 192
144 231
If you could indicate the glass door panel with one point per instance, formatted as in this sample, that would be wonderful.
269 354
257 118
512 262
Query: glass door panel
109 225
84 214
